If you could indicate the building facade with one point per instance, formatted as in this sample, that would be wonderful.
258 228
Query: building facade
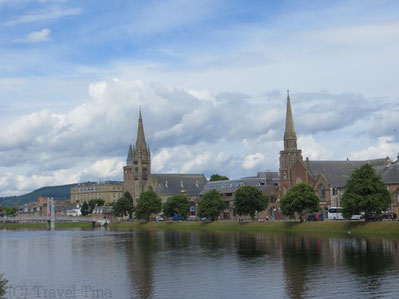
108 191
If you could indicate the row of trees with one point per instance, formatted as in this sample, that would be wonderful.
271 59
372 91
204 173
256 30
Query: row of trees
248 200
364 192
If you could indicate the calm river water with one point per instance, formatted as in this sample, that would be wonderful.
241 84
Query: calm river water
165 264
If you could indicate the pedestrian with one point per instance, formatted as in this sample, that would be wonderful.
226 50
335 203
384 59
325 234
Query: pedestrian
317 216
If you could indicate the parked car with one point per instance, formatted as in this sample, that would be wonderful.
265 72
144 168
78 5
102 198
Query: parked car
312 217
356 217
373 217
176 217
159 218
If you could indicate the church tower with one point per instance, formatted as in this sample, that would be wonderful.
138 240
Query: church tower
290 154
137 172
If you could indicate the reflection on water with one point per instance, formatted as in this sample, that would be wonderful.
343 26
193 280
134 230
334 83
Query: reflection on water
166 264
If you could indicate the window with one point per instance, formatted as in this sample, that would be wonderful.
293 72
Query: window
322 191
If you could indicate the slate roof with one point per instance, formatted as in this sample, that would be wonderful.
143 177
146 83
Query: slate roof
172 184
337 173
389 173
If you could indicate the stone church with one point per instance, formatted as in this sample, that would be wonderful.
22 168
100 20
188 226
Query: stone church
138 178
328 178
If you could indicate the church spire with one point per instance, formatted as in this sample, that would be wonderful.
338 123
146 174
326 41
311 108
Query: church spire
140 142
129 155
289 134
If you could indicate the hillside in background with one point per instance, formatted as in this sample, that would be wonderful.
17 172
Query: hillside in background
62 192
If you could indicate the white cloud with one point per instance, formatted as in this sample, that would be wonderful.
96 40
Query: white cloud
253 160
384 147
313 149
104 169
38 36
50 13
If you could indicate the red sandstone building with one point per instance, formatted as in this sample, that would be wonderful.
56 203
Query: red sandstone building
328 178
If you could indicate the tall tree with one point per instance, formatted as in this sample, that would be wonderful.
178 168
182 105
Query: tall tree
365 192
300 199
128 195
211 205
148 203
84 209
176 205
3 286
248 200
123 207
216 177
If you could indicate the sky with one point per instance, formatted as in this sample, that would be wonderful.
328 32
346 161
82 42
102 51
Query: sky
210 77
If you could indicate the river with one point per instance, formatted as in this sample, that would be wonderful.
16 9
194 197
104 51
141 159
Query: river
166 264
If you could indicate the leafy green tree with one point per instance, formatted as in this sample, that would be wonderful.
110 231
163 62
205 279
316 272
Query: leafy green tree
148 203
123 207
84 209
300 199
128 195
95 202
211 205
365 192
10 211
248 200
3 285
216 177
176 205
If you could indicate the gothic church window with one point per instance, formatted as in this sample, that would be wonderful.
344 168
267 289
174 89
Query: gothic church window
322 191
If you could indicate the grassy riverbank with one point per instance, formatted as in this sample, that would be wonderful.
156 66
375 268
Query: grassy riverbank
326 227
62 225
386 228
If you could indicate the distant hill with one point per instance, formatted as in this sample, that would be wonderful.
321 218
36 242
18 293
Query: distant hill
62 192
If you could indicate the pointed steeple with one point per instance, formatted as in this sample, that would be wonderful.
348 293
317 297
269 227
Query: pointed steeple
140 142
289 134
130 155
